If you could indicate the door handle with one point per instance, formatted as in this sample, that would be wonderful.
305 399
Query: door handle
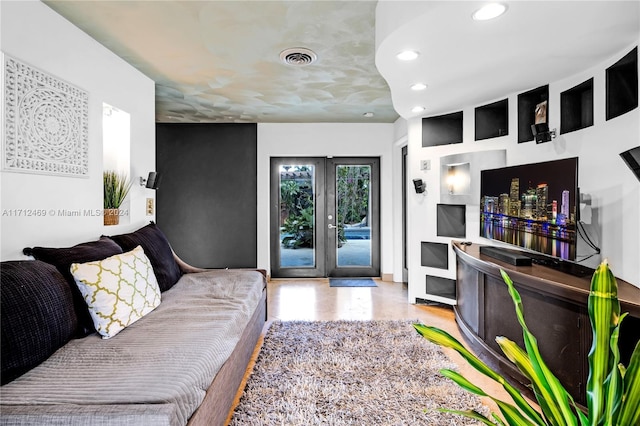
332 226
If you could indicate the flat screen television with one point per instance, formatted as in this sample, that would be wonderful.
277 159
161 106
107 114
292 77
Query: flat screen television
532 206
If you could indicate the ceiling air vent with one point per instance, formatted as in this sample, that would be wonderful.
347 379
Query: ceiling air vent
298 56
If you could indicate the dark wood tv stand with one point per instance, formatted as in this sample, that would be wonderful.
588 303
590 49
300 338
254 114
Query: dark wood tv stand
555 307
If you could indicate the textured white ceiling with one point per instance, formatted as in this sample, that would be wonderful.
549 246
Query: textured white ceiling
218 61
466 62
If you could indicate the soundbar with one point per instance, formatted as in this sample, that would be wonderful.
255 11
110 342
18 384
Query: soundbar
512 257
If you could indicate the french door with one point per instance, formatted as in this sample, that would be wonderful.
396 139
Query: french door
325 217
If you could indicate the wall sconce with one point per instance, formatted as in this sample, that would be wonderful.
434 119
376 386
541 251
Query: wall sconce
420 186
451 179
458 178
541 132
151 181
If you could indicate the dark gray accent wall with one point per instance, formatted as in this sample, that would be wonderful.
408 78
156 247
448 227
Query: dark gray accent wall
206 200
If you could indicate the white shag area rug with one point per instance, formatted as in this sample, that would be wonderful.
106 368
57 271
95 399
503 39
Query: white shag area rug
351 373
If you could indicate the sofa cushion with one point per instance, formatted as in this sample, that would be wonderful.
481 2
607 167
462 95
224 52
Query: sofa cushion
157 248
62 258
37 315
119 290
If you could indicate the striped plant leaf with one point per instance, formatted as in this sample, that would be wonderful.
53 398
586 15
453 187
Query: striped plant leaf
472 414
520 359
613 383
630 410
442 338
557 407
613 391
509 411
604 313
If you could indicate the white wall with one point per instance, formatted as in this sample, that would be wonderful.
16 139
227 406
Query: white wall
36 35
603 175
323 140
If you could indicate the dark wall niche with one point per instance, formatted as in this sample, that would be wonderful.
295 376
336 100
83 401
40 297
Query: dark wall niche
438 286
435 255
622 85
492 120
207 198
576 107
527 102
442 129
451 220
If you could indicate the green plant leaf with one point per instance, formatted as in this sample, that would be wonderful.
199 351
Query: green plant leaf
472 414
116 186
520 359
513 416
604 313
462 382
613 383
509 411
629 411
442 338
556 401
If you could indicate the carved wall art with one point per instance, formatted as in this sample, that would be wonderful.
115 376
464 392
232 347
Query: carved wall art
46 123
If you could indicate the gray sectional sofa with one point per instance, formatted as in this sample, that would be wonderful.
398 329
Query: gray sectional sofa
181 363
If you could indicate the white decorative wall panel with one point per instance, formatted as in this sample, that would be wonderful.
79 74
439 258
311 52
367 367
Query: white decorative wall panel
45 123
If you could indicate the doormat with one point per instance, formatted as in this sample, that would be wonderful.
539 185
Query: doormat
351 282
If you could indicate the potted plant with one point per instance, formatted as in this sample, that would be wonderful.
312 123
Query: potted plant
613 390
116 186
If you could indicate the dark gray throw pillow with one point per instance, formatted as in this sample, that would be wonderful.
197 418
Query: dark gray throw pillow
37 315
62 258
157 248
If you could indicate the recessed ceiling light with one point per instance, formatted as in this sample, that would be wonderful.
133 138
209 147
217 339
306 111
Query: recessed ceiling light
368 114
489 11
418 86
417 109
407 55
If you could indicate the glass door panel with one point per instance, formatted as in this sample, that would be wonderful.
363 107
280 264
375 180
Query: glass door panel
353 217
353 211
298 191
325 217
297 216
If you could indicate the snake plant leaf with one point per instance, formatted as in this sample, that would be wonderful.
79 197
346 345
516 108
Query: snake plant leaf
472 414
630 411
520 359
558 406
508 411
462 382
613 383
442 338
514 417
604 313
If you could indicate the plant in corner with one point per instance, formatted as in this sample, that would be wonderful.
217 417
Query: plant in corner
116 186
613 391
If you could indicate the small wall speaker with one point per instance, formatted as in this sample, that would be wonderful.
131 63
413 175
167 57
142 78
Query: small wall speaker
541 132
153 180
632 158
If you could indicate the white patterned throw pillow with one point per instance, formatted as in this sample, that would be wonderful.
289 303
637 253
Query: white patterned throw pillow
119 290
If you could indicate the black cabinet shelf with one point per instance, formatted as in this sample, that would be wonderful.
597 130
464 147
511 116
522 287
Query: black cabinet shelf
552 301
527 102
492 120
576 107
622 85
442 129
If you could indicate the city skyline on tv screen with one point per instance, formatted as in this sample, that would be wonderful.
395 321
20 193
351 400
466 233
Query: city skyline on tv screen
532 206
